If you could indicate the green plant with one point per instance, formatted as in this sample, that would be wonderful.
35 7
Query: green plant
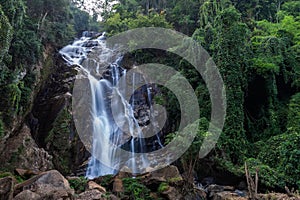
163 187
19 179
1 127
106 180
78 184
135 190
5 174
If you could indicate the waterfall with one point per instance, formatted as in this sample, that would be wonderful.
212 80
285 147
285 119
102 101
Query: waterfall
103 73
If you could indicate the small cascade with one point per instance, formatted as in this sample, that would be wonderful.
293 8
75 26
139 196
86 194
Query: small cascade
103 71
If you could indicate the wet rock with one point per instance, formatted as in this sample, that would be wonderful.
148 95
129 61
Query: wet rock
90 34
207 181
94 186
27 194
6 188
240 193
90 43
215 188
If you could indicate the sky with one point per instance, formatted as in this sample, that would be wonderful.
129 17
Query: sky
94 5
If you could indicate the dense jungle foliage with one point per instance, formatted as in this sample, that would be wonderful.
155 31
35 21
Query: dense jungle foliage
255 44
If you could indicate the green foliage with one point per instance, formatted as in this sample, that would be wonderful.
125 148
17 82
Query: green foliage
26 92
163 187
26 39
1 127
184 15
5 35
5 174
62 147
255 44
282 152
190 158
12 100
136 190
268 176
230 54
19 179
78 184
15 11
106 180
118 23
294 114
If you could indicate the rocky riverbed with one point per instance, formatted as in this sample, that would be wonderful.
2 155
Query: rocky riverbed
166 183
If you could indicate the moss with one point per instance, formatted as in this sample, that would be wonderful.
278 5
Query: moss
163 187
174 179
5 174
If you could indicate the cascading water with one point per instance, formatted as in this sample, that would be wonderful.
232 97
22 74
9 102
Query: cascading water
104 75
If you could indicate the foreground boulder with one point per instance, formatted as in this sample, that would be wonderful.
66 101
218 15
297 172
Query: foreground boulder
167 174
27 194
47 185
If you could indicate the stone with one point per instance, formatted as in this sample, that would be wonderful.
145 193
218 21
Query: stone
92 185
172 194
215 188
50 184
113 197
27 194
26 172
200 192
226 195
90 195
118 185
21 151
168 174
6 188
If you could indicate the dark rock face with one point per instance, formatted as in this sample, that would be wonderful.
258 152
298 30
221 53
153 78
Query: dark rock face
22 151
51 119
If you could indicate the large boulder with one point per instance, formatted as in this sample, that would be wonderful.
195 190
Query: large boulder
168 174
27 194
47 185
91 195
21 151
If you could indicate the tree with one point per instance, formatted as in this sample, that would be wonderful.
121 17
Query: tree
230 53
